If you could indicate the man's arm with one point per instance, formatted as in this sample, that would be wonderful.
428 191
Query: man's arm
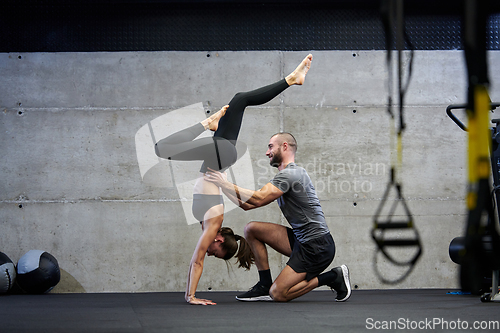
245 198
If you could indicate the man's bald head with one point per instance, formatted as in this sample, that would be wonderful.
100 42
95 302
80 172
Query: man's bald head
288 138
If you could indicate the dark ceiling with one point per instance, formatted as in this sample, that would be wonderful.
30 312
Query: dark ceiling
217 25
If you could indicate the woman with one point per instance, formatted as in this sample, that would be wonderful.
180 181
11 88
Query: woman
219 153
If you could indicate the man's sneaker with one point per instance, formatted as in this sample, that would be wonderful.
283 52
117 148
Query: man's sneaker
341 284
257 293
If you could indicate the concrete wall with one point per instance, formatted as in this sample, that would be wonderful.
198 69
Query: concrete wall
72 149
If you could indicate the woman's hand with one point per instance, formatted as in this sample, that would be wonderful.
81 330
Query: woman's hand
199 301
215 177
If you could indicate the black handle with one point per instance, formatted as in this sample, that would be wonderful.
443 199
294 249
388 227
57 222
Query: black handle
464 106
453 117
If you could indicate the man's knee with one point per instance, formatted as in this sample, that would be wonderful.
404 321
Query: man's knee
277 295
250 229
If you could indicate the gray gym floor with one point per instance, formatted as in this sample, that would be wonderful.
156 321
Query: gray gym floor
315 312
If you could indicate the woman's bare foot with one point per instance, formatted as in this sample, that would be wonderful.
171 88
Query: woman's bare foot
298 76
212 122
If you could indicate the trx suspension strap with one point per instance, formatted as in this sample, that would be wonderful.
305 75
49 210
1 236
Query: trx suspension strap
479 204
389 223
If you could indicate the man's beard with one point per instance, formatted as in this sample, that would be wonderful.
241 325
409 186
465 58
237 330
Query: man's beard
276 159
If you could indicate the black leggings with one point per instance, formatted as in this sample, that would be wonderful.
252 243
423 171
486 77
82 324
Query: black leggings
218 152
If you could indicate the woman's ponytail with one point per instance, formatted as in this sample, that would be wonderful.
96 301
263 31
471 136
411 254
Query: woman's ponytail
244 254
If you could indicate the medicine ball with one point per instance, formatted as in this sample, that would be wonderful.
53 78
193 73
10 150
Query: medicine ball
7 273
37 272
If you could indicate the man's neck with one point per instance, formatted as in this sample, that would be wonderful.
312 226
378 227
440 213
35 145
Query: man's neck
284 164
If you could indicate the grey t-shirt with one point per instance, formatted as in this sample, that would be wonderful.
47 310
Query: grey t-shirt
299 203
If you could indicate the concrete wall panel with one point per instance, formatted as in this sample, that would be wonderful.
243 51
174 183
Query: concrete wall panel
71 181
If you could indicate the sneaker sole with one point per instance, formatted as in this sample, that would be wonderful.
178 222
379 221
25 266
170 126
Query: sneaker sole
256 299
345 273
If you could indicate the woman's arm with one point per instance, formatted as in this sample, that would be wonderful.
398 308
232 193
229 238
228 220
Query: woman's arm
196 265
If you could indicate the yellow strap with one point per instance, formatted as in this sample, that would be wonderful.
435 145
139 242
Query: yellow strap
400 157
479 143
392 143
396 147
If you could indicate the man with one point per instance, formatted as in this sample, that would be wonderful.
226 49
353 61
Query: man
309 243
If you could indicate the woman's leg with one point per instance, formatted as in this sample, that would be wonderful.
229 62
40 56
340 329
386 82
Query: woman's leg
230 124
220 152
178 142
182 145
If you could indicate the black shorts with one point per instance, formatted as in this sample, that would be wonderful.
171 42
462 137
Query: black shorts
203 202
312 257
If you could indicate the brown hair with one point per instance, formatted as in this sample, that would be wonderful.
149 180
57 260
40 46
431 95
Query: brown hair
243 253
288 138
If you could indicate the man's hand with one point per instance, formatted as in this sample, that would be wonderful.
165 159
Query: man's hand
215 177
245 198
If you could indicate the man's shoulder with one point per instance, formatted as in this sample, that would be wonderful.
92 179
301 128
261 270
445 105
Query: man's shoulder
292 171
293 167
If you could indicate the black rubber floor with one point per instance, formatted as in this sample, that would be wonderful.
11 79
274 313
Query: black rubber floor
366 310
